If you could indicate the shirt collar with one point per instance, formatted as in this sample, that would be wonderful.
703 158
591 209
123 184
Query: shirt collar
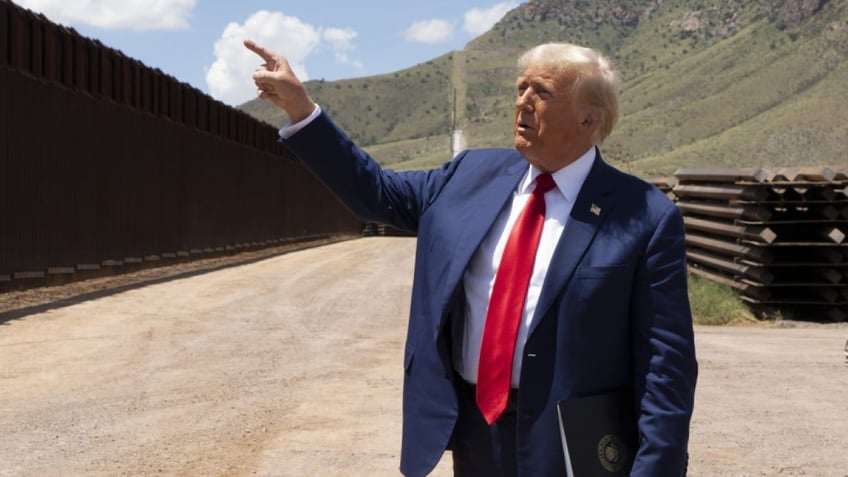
569 179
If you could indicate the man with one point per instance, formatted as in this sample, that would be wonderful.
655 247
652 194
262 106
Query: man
600 304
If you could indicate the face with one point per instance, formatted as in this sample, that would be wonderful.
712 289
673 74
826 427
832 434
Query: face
550 130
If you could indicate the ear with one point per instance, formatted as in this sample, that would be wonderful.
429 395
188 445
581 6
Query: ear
590 123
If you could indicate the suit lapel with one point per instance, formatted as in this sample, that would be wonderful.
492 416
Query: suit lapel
489 200
593 204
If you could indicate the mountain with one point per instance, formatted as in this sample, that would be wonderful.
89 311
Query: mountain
709 83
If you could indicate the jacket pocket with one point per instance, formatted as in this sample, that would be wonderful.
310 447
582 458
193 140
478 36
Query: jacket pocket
599 273
605 287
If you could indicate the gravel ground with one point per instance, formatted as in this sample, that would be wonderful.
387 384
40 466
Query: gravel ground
289 364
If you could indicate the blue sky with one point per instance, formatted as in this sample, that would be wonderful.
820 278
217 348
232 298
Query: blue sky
199 41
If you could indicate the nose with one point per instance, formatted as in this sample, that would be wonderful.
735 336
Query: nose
524 100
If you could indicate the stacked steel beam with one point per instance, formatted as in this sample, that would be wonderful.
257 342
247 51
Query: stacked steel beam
779 238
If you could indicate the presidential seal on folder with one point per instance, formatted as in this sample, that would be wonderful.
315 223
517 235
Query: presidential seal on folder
599 437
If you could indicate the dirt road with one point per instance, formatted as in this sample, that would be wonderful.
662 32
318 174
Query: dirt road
291 366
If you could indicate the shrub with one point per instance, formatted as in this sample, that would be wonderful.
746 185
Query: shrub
714 303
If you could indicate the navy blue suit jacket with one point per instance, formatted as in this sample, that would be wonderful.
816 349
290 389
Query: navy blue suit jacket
613 310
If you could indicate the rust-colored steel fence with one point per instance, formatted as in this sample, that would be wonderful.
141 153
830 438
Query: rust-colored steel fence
105 162
777 237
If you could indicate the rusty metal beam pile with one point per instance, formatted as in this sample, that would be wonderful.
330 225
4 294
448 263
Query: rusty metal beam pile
778 237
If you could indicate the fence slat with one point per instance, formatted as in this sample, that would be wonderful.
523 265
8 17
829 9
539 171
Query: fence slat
5 29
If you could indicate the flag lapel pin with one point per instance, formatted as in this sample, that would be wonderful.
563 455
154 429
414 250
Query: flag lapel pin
595 209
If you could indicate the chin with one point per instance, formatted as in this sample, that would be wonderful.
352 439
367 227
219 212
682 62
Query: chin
522 146
520 143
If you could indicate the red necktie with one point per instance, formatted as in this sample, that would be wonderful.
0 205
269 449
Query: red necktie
507 304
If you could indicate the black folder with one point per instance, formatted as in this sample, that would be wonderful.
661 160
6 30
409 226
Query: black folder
599 436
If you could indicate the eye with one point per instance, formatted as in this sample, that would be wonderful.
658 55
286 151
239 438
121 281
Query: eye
521 88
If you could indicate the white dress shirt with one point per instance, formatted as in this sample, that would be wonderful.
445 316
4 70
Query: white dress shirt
480 275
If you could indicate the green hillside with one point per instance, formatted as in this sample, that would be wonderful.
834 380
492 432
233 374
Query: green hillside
712 83
404 111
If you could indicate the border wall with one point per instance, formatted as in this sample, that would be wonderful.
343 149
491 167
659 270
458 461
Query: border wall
105 162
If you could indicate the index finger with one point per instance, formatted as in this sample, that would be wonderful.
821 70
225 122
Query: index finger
265 53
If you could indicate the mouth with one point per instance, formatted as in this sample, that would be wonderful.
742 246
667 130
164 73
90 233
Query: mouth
522 127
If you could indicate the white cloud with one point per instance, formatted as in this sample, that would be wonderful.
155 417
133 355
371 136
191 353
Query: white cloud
117 14
343 59
429 31
341 40
479 20
229 77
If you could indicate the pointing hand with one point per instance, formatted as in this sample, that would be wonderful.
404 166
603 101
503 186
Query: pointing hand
276 82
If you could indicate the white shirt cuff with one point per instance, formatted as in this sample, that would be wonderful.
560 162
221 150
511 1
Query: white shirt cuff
288 130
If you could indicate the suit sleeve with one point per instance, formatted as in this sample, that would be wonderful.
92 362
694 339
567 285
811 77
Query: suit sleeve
664 352
357 180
